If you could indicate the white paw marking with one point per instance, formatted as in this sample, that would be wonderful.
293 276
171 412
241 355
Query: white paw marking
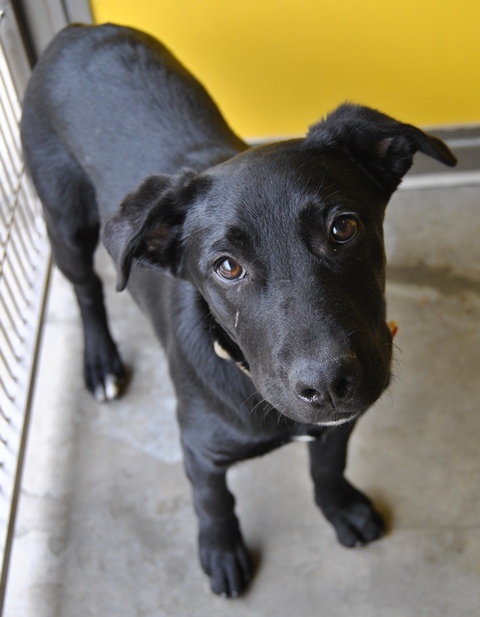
107 391
111 387
99 394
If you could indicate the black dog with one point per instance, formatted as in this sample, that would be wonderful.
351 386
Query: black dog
276 254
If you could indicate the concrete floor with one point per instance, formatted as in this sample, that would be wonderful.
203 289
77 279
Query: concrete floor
106 526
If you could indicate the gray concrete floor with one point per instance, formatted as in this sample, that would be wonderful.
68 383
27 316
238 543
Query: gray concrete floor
106 526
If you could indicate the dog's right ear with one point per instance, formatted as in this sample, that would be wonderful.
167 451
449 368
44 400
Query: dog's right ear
147 226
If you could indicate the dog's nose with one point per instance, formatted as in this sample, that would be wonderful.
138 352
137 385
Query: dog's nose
327 383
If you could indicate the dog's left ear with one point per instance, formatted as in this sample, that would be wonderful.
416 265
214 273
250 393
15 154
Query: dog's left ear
381 145
148 224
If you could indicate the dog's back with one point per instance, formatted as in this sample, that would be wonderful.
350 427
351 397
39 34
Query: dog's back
123 97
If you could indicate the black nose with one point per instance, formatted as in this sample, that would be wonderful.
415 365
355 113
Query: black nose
327 383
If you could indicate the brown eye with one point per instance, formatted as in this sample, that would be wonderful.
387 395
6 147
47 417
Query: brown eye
344 229
229 269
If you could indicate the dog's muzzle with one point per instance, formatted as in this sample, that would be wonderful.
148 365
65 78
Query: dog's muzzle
326 392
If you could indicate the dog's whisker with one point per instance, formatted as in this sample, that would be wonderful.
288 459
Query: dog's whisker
353 332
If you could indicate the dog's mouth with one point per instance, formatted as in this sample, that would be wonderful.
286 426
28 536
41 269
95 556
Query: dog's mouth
326 415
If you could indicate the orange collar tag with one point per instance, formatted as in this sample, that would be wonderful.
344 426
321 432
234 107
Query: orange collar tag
393 327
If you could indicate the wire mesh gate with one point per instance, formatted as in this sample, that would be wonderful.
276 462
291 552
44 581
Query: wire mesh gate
24 272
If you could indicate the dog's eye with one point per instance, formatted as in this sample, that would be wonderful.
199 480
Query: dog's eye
229 269
344 229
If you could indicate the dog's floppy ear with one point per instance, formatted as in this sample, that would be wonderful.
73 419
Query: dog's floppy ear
381 145
148 224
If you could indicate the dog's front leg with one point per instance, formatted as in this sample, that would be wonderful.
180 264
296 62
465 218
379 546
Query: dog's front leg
223 554
351 513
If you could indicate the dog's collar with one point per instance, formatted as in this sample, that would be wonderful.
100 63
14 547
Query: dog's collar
227 349
223 353
223 346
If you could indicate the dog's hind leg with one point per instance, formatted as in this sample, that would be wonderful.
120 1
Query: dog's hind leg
71 214
351 513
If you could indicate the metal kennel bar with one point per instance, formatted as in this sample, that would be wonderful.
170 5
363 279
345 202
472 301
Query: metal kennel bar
24 274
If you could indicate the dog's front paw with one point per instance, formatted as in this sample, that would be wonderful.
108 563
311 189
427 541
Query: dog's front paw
358 524
355 520
229 570
104 373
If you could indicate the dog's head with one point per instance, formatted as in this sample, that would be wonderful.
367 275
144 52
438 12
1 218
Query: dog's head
284 242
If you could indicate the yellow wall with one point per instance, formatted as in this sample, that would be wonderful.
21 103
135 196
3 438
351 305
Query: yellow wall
276 66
